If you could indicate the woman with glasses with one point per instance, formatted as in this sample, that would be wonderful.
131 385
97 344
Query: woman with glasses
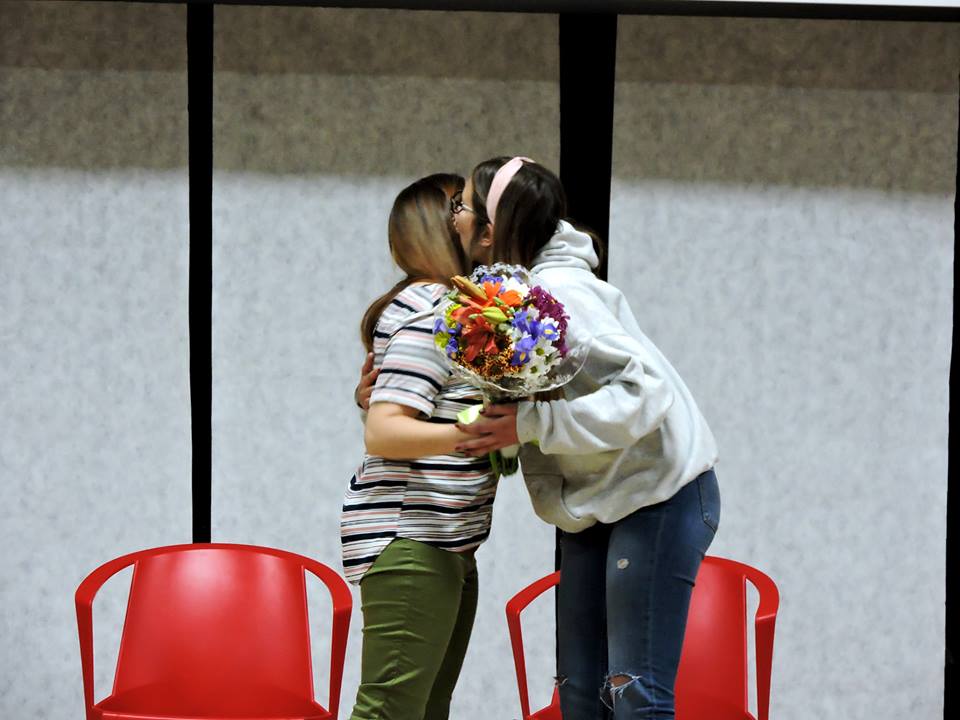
623 464
416 509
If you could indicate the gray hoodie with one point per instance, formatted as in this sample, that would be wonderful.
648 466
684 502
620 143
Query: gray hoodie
628 433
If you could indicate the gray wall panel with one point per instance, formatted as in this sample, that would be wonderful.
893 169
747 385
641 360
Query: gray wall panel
321 117
95 440
782 223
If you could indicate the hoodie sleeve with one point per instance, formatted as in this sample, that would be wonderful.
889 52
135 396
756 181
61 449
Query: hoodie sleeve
630 402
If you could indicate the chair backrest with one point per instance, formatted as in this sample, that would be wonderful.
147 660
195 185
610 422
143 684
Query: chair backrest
213 620
712 677
713 665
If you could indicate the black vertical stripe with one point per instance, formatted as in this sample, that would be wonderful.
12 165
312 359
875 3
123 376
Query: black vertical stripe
200 124
950 679
588 56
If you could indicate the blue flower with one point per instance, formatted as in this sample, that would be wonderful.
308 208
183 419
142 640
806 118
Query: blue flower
525 324
452 347
522 353
520 321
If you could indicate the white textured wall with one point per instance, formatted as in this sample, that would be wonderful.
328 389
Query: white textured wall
94 406
782 223
321 117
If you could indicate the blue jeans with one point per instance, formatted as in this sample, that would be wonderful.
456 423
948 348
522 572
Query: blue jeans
622 605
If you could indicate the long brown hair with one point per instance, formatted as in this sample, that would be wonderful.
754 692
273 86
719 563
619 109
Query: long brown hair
529 210
422 241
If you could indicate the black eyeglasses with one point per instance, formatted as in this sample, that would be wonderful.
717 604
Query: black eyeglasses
457 205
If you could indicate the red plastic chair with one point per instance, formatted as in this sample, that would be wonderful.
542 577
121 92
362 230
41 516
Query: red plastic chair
712 678
217 632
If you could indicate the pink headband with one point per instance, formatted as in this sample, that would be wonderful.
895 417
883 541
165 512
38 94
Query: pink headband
500 181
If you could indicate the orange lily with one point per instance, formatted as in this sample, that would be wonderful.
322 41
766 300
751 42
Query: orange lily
478 336
509 297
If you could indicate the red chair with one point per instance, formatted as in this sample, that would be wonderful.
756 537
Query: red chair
217 632
712 678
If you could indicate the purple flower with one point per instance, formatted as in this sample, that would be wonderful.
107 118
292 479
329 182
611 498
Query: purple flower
549 307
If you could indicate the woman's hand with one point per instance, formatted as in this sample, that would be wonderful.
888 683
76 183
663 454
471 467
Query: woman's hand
368 378
497 429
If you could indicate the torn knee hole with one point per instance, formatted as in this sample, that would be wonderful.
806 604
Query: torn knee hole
614 685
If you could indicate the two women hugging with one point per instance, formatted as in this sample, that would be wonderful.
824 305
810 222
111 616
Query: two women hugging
622 463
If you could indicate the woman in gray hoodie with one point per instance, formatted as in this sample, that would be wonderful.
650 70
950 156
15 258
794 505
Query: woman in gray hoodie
623 464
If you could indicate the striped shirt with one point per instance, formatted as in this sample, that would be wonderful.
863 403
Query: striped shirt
441 500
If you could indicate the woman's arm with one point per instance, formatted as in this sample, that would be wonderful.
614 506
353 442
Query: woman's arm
630 403
393 431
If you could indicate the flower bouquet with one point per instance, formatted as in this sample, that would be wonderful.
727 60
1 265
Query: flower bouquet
507 337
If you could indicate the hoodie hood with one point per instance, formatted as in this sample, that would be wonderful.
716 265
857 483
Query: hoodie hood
568 248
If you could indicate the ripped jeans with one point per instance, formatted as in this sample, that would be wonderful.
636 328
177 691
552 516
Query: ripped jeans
622 605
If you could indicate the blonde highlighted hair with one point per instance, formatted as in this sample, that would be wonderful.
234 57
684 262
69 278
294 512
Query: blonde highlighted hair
422 239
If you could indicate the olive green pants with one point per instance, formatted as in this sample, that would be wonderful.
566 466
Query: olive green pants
418 605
